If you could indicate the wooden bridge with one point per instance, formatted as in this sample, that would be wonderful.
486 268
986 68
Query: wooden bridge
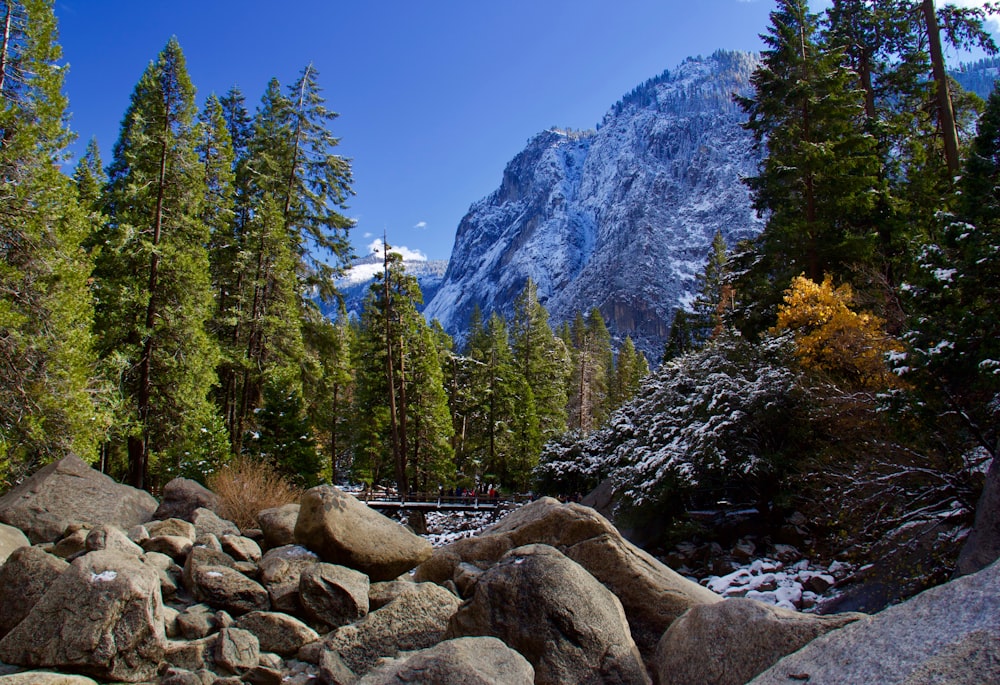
429 502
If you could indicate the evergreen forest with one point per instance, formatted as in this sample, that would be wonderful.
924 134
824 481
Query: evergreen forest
160 312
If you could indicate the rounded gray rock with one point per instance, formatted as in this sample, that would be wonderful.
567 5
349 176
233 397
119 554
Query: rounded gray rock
345 531
567 625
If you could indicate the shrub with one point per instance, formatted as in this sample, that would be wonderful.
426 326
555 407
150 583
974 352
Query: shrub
247 486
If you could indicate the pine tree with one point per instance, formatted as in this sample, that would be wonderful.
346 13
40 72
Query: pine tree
331 392
47 385
630 368
285 436
714 292
543 361
593 362
431 458
819 180
954 351
152 276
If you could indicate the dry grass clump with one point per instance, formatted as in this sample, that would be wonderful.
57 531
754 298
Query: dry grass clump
246 487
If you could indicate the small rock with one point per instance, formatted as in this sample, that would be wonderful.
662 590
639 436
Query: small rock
276 632
237 650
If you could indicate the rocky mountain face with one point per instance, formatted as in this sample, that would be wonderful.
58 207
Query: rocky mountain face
620 218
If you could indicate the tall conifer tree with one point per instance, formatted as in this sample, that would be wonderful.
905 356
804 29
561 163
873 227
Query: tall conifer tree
152 275
46 402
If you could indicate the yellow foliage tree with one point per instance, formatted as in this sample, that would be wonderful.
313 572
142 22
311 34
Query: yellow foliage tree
832 338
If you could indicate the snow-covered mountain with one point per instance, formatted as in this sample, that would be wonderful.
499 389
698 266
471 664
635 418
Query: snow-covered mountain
620 218
356 282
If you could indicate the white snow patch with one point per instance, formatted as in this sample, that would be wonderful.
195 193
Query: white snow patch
103 576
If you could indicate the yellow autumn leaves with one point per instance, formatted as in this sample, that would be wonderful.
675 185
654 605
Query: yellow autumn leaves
832 338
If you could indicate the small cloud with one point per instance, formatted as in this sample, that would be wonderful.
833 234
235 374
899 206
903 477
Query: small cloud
420 224
375 247
367 235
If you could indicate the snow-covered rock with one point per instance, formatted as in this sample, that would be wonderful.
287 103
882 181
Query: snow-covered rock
620 218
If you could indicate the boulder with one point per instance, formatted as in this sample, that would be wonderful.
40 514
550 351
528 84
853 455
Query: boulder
236 650
182 496
102 617
280 571
333 595
947 634
196 621
226 588
652 594
416 619
241 548
27 575
200 557
174 546
111 538
983 544
333 670
345 531
68 491
191 655
10 539
462 661
730 642
560 618
207 521
73 540
180 676
278 525
276 632
173 527
44 678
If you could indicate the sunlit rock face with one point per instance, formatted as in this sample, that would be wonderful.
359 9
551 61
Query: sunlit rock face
620 218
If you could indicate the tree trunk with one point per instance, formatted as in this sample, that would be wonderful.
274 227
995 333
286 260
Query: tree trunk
5 47
139 448
946 113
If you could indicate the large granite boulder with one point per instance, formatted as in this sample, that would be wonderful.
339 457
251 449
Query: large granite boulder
27 575
416 619
652 594
102 617
345 531
462 661
730 642
182 496
10 539
546 606
69 491
983 544
948 634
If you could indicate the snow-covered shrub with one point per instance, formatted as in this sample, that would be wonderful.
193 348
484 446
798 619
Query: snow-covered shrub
717 422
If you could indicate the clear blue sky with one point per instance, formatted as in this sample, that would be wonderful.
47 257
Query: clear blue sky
434 96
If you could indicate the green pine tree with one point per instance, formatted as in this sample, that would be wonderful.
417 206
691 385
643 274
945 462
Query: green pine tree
152 278
47 383
819 181
543 361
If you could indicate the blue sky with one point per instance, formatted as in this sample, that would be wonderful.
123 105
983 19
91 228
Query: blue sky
434 96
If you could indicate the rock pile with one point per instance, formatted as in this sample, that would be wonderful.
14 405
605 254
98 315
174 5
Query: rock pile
328 591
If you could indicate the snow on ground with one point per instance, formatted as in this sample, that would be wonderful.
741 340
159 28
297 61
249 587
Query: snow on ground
445 528
799 586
